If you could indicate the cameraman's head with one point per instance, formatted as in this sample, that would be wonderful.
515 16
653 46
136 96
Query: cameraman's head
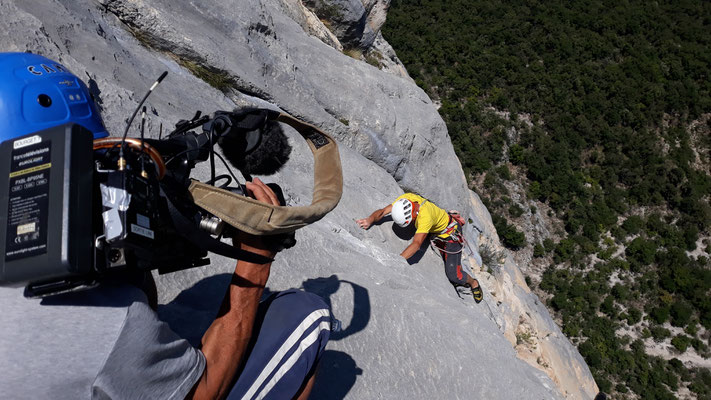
37 93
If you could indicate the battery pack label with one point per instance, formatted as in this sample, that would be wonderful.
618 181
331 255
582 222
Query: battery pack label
28 201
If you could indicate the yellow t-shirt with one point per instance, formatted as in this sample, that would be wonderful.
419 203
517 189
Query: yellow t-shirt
431 219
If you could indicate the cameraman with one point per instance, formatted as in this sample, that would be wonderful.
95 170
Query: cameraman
107 342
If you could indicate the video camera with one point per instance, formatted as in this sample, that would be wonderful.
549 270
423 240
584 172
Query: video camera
78 211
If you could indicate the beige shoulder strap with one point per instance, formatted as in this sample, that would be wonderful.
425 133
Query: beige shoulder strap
257 218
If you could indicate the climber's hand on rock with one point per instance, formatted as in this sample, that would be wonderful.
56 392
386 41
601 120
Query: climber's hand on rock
364 223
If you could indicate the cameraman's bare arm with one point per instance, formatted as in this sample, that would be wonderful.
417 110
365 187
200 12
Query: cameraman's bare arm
226 340
376 216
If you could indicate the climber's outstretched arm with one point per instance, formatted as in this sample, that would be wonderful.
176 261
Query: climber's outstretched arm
376 216
417 241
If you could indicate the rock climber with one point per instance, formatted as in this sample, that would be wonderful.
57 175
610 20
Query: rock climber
443 228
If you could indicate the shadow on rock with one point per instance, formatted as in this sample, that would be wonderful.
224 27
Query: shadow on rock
325 287
193 310
383 220
337 375
405 233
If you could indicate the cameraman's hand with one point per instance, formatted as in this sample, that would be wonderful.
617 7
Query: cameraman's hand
259 191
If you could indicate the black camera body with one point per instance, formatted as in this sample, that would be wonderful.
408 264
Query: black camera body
73 217
78 210
136 228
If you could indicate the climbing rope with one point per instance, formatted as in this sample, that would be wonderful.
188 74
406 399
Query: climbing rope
434 246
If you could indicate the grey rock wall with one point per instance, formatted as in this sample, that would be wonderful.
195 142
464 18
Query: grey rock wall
347 19
354 22
406 333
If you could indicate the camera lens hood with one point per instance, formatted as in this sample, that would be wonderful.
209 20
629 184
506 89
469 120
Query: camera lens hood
257 218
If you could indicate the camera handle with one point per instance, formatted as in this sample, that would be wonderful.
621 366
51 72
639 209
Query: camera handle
202 239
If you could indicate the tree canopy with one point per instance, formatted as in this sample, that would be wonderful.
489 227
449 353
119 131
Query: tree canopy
593 103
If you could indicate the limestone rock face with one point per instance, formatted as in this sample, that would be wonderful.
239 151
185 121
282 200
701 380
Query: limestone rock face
356 23
377 12
347 19
406 333
311 23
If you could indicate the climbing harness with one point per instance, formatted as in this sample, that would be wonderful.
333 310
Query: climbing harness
455 235
451 227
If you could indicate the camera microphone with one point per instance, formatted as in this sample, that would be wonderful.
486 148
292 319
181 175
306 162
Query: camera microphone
255 144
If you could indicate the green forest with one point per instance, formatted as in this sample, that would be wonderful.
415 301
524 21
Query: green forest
602 111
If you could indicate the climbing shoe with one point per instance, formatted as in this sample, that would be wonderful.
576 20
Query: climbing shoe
477 294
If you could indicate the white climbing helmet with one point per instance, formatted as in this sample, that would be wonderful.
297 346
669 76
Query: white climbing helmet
402 212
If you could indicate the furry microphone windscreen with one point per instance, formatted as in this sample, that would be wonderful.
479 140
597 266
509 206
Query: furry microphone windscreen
267 158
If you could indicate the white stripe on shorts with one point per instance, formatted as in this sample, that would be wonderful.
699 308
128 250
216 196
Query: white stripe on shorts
305 344
285 347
